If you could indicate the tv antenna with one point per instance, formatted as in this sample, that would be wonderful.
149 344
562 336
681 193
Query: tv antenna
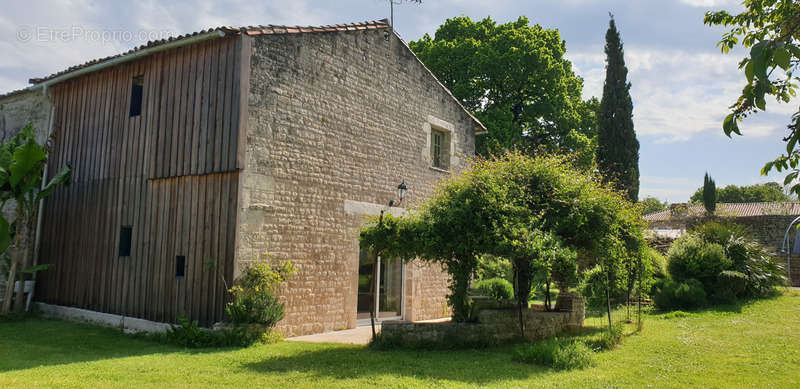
398 2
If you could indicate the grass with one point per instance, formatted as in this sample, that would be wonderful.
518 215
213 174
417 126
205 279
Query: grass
750 345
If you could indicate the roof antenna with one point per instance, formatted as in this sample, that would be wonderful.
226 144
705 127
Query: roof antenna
398 2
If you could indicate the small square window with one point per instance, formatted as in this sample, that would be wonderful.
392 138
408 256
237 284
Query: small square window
125 234
137 90
440 150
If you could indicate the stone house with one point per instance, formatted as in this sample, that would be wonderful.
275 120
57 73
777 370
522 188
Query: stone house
769 223
198 155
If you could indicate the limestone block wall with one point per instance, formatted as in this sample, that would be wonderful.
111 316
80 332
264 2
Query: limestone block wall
335 119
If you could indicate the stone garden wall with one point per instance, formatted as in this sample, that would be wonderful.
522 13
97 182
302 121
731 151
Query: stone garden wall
493 326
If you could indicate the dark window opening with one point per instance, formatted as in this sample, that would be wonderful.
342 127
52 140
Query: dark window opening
125 234
439 149
180 266
137 88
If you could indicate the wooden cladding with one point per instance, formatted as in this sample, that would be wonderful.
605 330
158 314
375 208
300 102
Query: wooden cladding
190 216
169 173
188 120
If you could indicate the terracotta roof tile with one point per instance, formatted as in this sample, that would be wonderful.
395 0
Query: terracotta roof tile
229 30
731 210
253 30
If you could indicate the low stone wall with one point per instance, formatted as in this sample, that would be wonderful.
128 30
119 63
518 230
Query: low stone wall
494 326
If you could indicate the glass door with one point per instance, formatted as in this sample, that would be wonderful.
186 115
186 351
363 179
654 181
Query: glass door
389 294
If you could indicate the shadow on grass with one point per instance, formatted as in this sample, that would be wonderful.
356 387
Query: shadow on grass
32 342
473 367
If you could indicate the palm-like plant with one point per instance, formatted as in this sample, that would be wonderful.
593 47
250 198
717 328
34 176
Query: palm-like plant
22 163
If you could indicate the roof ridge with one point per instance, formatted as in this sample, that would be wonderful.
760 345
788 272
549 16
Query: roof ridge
270 29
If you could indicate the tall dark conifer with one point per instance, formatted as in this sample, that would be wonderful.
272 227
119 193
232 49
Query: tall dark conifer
618 149
709 194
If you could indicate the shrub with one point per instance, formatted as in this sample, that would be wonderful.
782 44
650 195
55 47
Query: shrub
676 315
719 232
657 262
490 266
693 258
731 285
188 334
496 288
688 294
253 301
610 338
762 271
555 353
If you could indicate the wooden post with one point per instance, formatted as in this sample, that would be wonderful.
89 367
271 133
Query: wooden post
608 300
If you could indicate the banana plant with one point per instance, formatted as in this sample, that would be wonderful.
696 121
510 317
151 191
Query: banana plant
22 163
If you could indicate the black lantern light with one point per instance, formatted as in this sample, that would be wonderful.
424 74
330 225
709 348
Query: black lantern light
401 191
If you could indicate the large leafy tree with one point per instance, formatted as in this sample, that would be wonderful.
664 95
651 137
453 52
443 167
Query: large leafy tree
515 79
769 192
22 161
651 204
770 29
618 148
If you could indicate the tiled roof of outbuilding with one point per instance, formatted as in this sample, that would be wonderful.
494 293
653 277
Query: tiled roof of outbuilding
732 210
250 30
229 30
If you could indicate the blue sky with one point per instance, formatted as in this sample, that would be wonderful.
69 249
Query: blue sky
681 84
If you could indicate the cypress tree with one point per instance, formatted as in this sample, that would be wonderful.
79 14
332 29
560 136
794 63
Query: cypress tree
618 149
709 194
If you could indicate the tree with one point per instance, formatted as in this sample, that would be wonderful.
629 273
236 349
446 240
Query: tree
651 205
768 192
22 161
515 79
709 194
618 149
771 30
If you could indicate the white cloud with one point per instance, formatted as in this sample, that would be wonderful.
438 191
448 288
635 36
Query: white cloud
677 93
670 189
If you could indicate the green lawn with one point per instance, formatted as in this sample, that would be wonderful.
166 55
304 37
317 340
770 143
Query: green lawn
756 345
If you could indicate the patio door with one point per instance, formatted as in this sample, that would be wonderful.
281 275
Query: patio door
388 294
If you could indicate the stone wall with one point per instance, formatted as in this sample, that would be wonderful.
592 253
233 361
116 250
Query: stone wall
16 111
19 109
501 325
335 122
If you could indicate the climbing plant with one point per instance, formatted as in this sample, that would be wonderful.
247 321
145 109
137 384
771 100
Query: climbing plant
537 212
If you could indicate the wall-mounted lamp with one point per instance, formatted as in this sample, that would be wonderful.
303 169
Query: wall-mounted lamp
401 194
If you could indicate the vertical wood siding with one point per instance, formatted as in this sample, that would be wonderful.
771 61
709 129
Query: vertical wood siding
169 173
